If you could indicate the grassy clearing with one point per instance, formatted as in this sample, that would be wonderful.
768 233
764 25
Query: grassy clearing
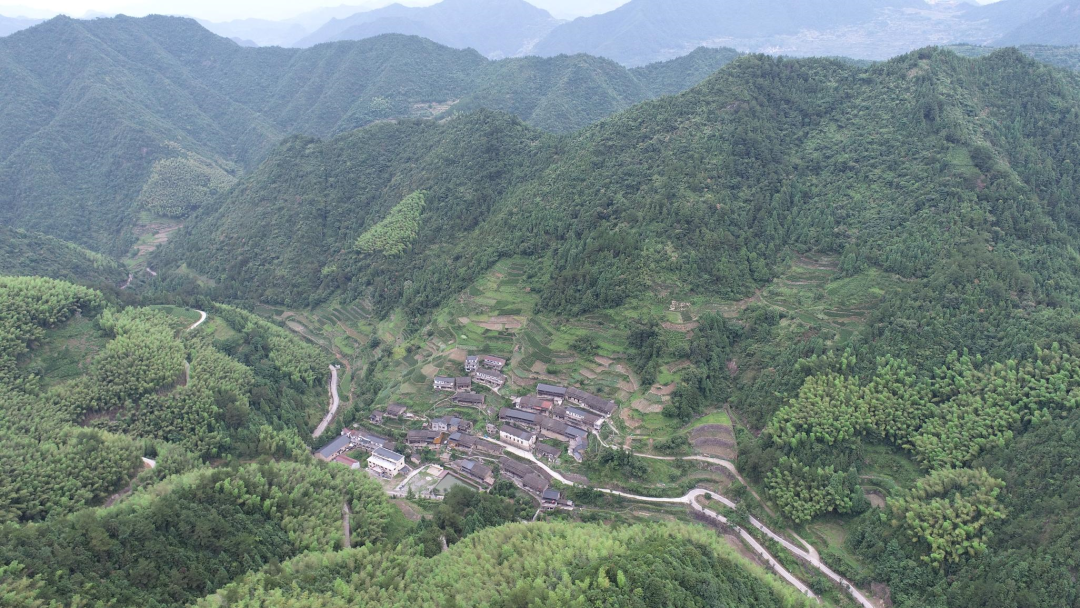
713 418
887 468
65 352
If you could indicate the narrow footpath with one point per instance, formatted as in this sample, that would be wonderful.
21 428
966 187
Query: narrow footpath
334 402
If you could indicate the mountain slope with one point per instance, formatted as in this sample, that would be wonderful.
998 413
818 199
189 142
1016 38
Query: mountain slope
723 178
1057 25
10 25
29 254
495 28
1004 16
187 111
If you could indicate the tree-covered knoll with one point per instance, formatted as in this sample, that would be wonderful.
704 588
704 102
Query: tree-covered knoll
25 253
524 565
70 443
193 533
1060 56
186 110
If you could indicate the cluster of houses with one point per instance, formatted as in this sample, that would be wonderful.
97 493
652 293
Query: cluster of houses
548 415
382 460
555 414
484 369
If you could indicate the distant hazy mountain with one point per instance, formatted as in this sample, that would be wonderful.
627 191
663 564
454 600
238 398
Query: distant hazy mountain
259 31
286 32
642 31
1057 25
10 25
495 28
1004 16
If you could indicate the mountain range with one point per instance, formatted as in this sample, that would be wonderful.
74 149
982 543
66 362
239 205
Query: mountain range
187 111
495 28
844 293
646 31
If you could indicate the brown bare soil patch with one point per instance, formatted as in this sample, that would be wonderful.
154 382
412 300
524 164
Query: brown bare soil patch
458 354
429 370
588 373
603 361
663 390
464 320
631 421
876 500
491 326
507 321
713 430
647 407
539 368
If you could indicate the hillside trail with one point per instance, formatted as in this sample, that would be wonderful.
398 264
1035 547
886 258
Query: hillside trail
809 557
202 318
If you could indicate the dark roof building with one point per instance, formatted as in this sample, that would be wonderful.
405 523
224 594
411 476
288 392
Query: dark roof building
548 452
328 451
519 417
468 399
514 468
604 407
476 470
534 483
533 403
462 441
488 447
550 390
424 437
396 410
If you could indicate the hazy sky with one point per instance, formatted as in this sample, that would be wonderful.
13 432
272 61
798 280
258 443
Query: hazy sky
222 10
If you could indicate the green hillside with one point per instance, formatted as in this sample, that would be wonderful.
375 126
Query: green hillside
31 254
526 565
766 157
1067 57
872 266
149 462
186 111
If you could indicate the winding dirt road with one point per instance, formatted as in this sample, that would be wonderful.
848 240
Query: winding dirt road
334 402
810 557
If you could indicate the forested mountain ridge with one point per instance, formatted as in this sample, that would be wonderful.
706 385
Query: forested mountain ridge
189 111
765 156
